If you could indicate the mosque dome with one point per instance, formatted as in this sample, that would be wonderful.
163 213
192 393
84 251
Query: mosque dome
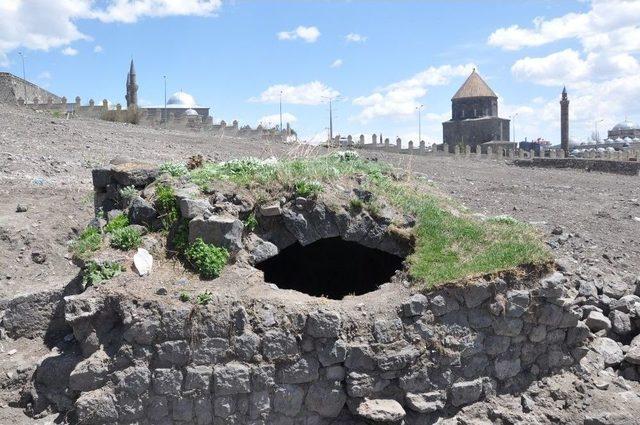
181 99
625 125
191 112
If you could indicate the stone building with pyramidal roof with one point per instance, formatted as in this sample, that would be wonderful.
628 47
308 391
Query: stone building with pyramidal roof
474 116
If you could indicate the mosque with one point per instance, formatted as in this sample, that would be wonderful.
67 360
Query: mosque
179 104
624 132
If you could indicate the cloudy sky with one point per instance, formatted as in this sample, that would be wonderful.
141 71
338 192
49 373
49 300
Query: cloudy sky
379 60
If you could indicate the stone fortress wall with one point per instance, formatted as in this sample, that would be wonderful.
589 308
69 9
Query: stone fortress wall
622 161
234 361
13 88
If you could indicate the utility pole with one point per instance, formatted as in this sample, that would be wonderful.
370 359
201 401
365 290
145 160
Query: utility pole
513 122
165 100
24 77
419 108
330 122
596 128
280 110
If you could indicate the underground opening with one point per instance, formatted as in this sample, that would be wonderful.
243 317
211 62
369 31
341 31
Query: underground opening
330 267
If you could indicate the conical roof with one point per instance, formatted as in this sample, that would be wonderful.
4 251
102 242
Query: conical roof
132 69
474 87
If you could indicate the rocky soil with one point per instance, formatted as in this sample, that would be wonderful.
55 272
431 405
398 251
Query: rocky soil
591 221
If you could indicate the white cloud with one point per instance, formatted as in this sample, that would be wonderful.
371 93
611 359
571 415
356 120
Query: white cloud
274 120
336 63
400 99
553 70
313 93
46 24
69 51
308 34
605 24
355 38
97 49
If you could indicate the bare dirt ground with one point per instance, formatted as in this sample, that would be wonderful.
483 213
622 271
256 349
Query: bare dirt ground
591 220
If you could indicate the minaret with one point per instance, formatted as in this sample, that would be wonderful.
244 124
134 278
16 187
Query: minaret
564 122
132 88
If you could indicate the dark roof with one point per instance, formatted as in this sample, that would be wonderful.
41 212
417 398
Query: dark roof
474 87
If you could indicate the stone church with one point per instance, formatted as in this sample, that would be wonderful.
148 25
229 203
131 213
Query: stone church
474 116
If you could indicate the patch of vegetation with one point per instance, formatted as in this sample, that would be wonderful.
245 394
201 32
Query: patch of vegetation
126 238
251 222
450 244
56 114
167 205
204 298
90 240
118 222
127 193
95 273
208 260
184 297
174 169
180 240
356 205
505 219
307 189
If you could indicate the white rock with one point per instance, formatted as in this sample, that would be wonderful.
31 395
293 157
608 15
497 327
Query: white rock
143 261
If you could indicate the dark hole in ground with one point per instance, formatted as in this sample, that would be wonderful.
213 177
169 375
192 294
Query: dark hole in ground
330 267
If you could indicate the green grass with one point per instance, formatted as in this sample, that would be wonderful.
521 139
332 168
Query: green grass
450 244
127 193
307 189
90 240
174 169
251 222
204 298
126 238
167 205
95 273
184 297
118 222
208 260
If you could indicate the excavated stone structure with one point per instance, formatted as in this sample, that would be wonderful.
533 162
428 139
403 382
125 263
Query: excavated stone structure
255 357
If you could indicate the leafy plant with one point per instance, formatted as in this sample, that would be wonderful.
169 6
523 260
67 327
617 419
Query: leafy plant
95 273
307 189
356 205
173 169
118 222
181 236
204 298
90 240
184 297
251 222
167 205
346 156
127 193
206 259
126 238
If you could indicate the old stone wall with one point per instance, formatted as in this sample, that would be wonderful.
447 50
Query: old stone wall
251 362
475 131
608 166
12 88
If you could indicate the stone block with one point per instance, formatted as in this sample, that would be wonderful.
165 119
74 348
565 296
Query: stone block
387 331
331 351
246 345
101 178
507 326
198 378
167 381
597 321
262 377
142 212
203 410
278 345
221 231
426 402
224 406
172 353
304 370
360 357
496 344
466 392
415 306
134 380
288 399
549 314
326 398
259 404
381 411
192 208
475 294
443 304
324 324
96 407
507 367
517 303
210 351
182 409
231 378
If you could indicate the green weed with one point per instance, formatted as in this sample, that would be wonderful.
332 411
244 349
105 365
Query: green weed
251 222
90 240
206 259
307 189
126 238
175 170
184 297
95 273
167 205
204 298
119 222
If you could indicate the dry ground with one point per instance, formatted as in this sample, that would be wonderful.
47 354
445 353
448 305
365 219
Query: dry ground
45 165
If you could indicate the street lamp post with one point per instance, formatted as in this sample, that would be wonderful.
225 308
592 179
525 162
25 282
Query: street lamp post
165 99
24 77
597 135
513 121
280 110
419 108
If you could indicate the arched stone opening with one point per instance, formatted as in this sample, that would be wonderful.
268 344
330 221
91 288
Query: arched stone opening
330 267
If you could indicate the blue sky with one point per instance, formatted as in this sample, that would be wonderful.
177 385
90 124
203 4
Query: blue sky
387 56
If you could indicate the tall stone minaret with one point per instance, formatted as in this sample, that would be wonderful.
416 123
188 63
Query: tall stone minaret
564 122
132 88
